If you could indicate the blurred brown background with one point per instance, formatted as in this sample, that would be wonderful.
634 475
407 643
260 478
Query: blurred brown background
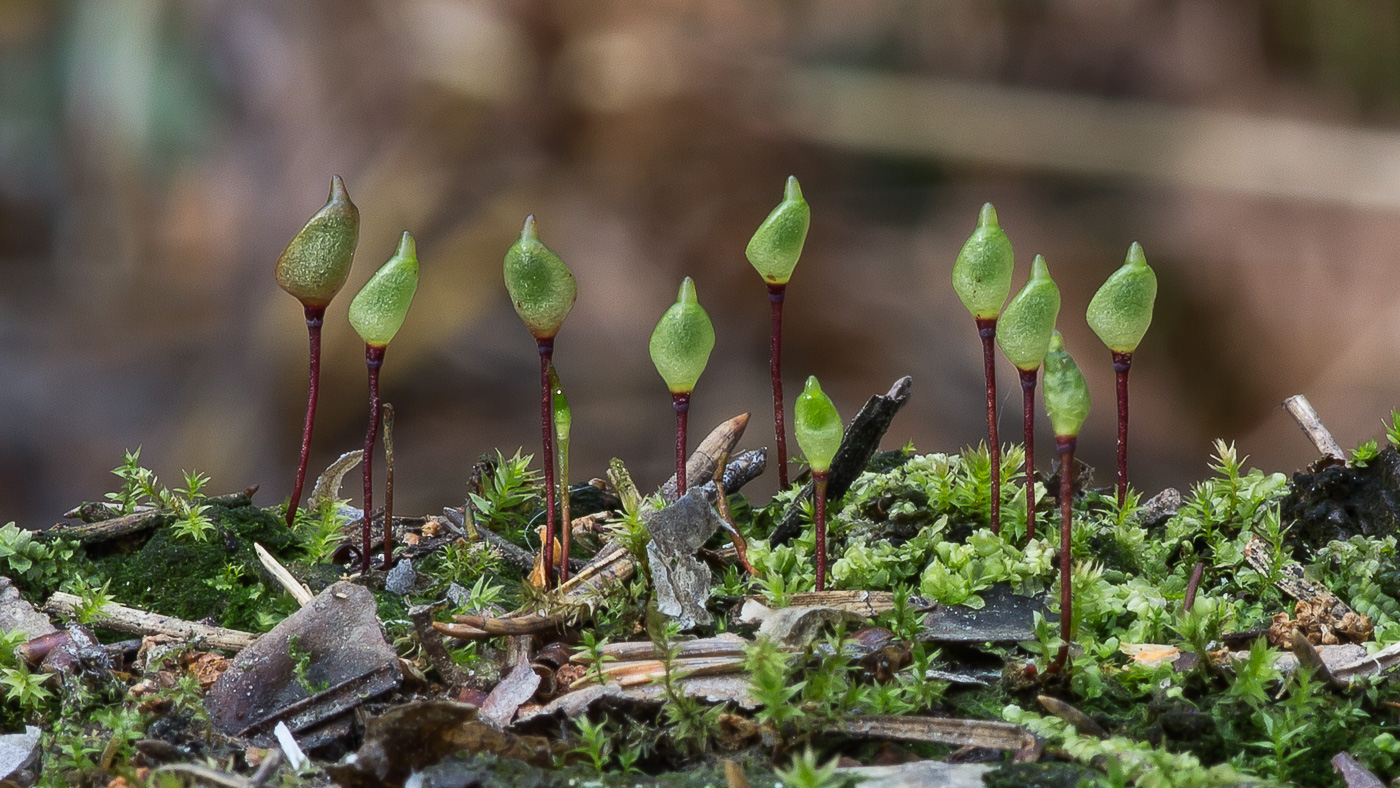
155 156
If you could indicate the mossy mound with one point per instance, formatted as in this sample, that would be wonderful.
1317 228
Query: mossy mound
218 579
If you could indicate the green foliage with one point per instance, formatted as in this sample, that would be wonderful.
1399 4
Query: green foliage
1121 310
1023 330
316 262
37 568
806 772
776 245
1066 393
1392 428
817 425
377 312
982 272
690 724
301 668
597 742
541 287
510 498
771 683
320 531
682 341
1363 454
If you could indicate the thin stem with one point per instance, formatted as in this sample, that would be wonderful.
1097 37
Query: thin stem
819 482
546 347
387 417
681 404
374 359
1028 408
314 318
565 521
1065 445
987 329
1192 586
1122 362
775 364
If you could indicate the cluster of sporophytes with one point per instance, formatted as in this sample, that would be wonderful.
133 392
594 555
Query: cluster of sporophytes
313 268
1119 313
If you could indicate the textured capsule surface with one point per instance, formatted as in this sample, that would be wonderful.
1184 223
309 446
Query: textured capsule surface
682 341
1121 310
982 272
559 405
316 262
1023 330
776 245
1066 393
542 289
817 425
378 310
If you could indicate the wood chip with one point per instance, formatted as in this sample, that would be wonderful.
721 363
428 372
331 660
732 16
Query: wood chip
140 622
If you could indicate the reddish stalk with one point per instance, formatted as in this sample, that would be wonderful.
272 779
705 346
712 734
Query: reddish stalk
1065 445
1122 362
387 416
1192 586
314 317
775 301
374 359
1028 403
681 404
987 329
546 347
819 481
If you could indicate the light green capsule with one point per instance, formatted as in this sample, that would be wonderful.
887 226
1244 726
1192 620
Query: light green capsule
378 310
541 287
817 425
982 273
1023 330
777 243
1066 393
682 341
1121 310
316 262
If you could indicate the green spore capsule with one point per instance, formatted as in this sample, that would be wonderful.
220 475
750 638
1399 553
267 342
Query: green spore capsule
316 262
776 245
1121 310
541 287
982 273
378 310
1023 330
682 341
817 425
1066 393
563 416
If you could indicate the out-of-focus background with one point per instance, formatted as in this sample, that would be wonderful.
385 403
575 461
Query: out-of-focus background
156 155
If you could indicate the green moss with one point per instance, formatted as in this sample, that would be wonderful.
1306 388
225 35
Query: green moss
1038 775
219 578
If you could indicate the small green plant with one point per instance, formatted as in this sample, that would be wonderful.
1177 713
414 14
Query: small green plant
982 279
1120 313
313 268
771 684
806 772
691 725
597 742
773 251
593 648
377 313
819 432
543 291
680 349
1067 405
1025 339
301 668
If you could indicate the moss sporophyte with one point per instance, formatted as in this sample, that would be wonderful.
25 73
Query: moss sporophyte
1067 405
313 268
563 424
1024 337
819 431
982 279
773 251
543 290
1120 313
680 349
377 313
